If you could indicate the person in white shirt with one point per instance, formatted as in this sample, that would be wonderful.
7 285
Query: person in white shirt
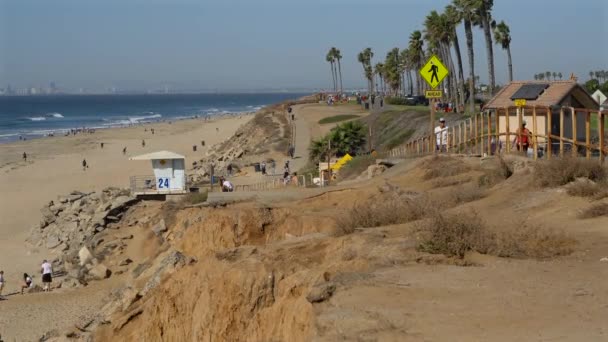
227 186
441 133
47 271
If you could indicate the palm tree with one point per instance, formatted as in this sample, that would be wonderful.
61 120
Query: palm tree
548 75
590 74
391 70
466 8
502 36
365 58
535 77
554 75
348 137
559 74
407 67
416 52
484 19
379 71
330 58
453 17
338 56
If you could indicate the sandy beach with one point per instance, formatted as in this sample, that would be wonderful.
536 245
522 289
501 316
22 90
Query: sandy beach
54 168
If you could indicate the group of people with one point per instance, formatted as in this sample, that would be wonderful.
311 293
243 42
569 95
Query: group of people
522 141
46 269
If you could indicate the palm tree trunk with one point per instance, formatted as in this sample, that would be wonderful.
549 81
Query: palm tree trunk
469 34
410 81
490 51
510 63
333 78
460 72
340 71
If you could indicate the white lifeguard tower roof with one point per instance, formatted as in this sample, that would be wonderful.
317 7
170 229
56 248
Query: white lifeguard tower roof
158 155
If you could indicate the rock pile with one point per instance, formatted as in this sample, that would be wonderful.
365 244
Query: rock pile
72 225
73 220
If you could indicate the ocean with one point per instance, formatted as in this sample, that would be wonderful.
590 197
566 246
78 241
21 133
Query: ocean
37 116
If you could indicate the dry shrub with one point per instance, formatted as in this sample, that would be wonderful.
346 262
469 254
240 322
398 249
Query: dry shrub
195 198
446 182
440 166
561 171
596 210
500 172
383 210
464 194
524 241
454 235
168 211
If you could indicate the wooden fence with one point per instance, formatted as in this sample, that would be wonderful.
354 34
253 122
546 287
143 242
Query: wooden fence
553 131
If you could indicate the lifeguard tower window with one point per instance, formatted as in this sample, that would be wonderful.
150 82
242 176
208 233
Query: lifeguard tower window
529 91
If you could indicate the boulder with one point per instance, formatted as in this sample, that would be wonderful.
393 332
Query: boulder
375 170
125 262
321 292
173 261
52 241
75 197
159 228
99 219
99 272
85 256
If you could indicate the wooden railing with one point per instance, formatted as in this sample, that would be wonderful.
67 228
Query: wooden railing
555 130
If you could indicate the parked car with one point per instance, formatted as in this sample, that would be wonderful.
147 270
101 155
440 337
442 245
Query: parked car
416 100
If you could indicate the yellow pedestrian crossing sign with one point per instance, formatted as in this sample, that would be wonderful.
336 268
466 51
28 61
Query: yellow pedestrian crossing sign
433 72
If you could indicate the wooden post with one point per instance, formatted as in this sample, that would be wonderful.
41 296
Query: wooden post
507 128
481 135
520 120
588 134
561 132
460 137
534 133
497 141
601 123
549 150
489 137
574 135
432 134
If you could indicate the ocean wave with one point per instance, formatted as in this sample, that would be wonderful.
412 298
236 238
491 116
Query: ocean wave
257 108
37 118
213 110
55 115
137 119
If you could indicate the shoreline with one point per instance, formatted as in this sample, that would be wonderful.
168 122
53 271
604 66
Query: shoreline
66 132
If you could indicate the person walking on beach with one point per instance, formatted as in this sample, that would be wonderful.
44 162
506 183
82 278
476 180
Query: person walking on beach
27 282
143 143
47 275
84 165
152 129
124 151
263 167
1 282
102 146
24 157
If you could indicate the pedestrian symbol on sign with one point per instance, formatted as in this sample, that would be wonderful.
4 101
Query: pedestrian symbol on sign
433 72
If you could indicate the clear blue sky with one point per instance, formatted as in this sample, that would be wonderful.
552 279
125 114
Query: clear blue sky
237 44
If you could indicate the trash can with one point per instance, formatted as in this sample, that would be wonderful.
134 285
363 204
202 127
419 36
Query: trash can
257 167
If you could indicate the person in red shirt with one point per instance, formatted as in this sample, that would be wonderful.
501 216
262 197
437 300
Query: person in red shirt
523 138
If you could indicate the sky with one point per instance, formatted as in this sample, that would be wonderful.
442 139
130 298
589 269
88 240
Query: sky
257 44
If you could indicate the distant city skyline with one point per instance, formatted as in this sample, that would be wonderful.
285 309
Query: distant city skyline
236 45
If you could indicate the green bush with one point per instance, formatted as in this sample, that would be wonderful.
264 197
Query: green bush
399 101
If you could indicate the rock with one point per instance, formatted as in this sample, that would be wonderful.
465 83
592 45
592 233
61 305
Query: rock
604 260
125 262
85 256
75 197
127 237
99 219
139 269
144 220
110 218
63 200
321 292
375 170
52 241
99 272
169 264
159 228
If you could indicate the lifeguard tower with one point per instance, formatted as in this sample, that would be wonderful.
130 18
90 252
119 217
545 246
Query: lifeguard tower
169 175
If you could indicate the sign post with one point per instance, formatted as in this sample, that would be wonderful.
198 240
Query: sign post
433 72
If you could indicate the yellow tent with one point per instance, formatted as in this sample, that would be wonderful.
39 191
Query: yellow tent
338 165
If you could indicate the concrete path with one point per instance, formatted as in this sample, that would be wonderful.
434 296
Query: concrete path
302 140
